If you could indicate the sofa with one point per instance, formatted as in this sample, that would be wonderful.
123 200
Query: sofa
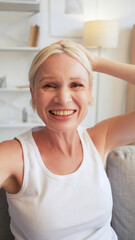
121 173
120 168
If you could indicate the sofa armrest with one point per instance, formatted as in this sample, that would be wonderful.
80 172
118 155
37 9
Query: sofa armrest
121 173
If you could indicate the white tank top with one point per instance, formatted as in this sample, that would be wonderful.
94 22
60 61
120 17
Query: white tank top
76 206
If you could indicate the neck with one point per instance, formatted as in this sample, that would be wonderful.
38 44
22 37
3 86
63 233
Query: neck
65 142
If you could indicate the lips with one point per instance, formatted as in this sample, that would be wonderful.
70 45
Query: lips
62 112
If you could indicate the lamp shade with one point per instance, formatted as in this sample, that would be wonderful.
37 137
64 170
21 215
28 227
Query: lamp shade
100 33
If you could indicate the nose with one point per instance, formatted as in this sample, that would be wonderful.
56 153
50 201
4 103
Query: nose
63 97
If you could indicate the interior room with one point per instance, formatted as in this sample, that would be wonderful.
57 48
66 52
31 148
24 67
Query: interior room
58 20
26 26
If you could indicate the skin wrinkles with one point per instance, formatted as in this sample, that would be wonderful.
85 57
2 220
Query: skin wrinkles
68 82
48 77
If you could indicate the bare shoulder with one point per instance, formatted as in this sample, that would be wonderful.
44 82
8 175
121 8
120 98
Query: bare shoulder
11 162
9 149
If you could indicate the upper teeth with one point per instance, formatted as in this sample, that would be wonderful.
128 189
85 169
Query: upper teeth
62 113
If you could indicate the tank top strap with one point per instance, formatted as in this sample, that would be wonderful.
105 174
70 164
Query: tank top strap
89 145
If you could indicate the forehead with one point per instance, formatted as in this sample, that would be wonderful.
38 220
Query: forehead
61 63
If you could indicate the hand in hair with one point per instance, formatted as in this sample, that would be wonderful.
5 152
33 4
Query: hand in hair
92 58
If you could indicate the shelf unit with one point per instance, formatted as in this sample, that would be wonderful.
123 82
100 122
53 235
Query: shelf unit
29 8
20 6
15 94
14 89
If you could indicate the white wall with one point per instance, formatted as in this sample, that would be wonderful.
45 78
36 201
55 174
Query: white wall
112 91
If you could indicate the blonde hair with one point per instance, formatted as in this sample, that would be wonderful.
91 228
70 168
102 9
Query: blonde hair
46 52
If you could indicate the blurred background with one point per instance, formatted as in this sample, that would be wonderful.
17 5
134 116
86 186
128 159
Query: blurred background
28 26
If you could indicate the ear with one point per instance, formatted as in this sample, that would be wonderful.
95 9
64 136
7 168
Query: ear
91 101
32 98
90 96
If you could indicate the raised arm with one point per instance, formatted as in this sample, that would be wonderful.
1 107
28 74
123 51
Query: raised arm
120 70
119 130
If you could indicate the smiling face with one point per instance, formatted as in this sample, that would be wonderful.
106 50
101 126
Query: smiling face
61 92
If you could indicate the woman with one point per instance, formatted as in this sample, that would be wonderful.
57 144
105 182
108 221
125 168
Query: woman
56 185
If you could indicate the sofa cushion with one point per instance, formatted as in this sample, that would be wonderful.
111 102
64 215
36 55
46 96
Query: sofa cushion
121 172
5 233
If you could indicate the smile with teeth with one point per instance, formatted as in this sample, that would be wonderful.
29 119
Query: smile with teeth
62 113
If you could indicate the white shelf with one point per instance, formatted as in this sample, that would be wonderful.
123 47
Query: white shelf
20 125
14 89
20 6
27 49
29 8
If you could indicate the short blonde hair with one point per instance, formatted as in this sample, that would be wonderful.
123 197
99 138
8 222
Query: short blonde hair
69 49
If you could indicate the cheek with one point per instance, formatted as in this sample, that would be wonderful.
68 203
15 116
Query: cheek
85 97
40 100
43 99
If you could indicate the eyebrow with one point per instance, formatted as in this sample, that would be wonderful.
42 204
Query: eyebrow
47 77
